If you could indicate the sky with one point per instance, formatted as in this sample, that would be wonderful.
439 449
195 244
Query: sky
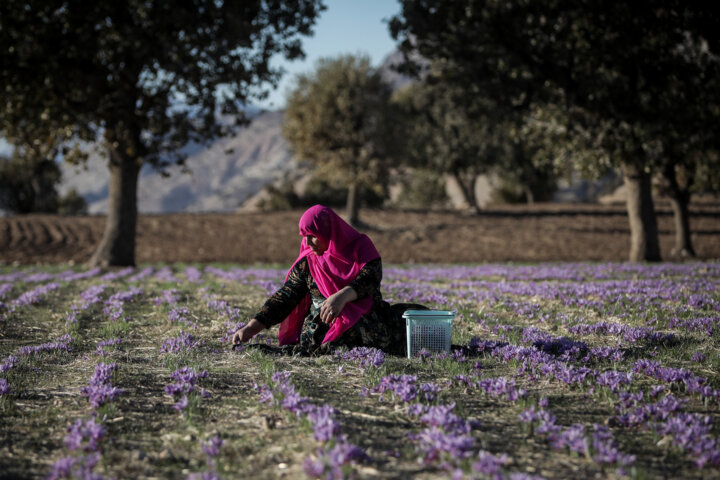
345 27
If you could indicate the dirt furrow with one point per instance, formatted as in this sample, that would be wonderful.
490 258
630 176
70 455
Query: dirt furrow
40 233
55 231
17 232
530 234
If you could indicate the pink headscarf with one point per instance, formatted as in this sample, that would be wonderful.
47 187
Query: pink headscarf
347 253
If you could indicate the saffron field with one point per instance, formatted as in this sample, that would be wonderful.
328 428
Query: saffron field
572 370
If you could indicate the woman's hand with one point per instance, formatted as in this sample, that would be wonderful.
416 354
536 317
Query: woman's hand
247 332
334 304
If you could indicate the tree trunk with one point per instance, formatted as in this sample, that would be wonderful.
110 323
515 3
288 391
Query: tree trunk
352 207
644 241
680 200
529 195
468 192
681 215
117 247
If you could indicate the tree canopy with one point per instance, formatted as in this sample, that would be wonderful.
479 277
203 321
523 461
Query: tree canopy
337 116
624 71
146 77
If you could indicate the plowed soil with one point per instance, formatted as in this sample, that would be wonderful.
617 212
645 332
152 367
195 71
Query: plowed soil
546 232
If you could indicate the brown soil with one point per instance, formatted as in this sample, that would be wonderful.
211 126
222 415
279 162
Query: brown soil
547 232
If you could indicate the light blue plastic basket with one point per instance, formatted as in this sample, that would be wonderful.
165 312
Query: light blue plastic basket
428 329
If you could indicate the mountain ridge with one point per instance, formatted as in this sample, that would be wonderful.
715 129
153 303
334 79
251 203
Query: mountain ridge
222 175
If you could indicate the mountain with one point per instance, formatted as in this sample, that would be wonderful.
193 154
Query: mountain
223 174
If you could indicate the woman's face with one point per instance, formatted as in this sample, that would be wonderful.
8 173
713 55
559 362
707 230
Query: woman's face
317 245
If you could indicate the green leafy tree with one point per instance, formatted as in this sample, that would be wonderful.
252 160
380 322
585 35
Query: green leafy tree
144 77
443 133
620 65
451 133
28 185
693 171
688 143
72 203
338 117
527 151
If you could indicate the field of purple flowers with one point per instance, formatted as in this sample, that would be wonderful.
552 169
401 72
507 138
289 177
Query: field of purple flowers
572 370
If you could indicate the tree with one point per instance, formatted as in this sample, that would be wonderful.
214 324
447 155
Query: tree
683 173
688 142
338 118
447 132
28 186
145 77
443 133
620 64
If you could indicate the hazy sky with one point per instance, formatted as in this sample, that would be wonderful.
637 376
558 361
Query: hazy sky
347 26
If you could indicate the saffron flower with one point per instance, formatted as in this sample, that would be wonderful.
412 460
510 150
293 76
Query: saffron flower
186 380
183 342
85 435
4 387
212 446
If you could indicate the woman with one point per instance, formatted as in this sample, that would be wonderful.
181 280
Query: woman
331 296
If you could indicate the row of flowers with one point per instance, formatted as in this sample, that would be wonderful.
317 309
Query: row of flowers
335 455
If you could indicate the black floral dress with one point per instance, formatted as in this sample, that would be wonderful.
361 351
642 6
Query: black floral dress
383 327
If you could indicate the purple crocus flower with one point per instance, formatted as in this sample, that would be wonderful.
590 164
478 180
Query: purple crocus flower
434 442
34 296
9 363
192 274
430 391
62 468
573 438
169 297
365 356
61 344
212 446
313 467
85 431
91 296
403 386
181 404
231 328
441 416
529 415
98 395
4 387
188 375
103 374
186 380
329 463
4 289
606 450
324 424
178 314
100 350
184 341
489 464
698 357
294 402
